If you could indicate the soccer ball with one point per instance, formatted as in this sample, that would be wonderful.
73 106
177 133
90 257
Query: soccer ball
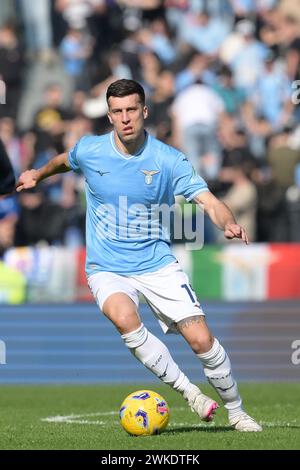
144 413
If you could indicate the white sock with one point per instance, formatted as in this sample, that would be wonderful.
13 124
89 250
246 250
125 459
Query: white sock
217 369
151 352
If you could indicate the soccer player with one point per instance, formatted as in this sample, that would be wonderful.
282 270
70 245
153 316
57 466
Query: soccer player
125 171
7 178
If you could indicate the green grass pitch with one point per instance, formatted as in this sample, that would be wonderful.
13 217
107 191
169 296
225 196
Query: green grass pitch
86 417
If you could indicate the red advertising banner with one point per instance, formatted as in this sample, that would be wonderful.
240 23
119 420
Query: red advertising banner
284 271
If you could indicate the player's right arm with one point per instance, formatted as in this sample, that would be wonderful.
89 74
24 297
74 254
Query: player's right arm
30 178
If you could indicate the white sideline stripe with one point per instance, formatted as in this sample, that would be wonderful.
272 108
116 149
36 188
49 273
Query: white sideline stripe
100 413
58 419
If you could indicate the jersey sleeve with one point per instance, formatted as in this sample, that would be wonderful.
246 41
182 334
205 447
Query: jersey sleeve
186 181
73 158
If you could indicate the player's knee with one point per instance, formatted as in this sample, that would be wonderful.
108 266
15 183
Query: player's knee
125 319
201 343
125 322
122 312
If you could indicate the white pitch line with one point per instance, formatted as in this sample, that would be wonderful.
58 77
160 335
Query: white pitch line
76 419
58 419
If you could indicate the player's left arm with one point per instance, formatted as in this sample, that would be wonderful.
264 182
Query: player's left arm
221 216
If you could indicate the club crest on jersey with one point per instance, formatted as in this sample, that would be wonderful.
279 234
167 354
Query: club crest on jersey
149 175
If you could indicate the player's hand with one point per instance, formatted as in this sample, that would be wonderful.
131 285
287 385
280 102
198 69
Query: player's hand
28 179
236 231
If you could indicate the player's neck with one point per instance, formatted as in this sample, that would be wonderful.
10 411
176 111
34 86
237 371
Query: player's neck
130 148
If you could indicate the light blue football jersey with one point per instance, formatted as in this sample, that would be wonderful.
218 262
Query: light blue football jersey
124 229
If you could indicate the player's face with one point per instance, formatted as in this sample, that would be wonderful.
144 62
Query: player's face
127 115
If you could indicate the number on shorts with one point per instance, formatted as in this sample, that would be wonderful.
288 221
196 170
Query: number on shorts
190 292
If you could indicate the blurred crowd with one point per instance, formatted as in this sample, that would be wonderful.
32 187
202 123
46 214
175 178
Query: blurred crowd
222 79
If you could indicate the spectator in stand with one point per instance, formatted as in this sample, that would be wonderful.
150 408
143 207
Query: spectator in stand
232 96
39 219
194 127
150 68
283 159
77 12
159 105
195 68
161 41
36 16
242 195
248 62
11 65
175 9
243 8
130 48
234 142
220 9
119 68
8 12
203 32
75 49
291 37
52 120
271 95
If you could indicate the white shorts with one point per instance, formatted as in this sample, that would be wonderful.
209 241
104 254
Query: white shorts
167 292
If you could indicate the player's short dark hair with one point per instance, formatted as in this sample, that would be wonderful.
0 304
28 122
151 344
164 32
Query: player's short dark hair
124 87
